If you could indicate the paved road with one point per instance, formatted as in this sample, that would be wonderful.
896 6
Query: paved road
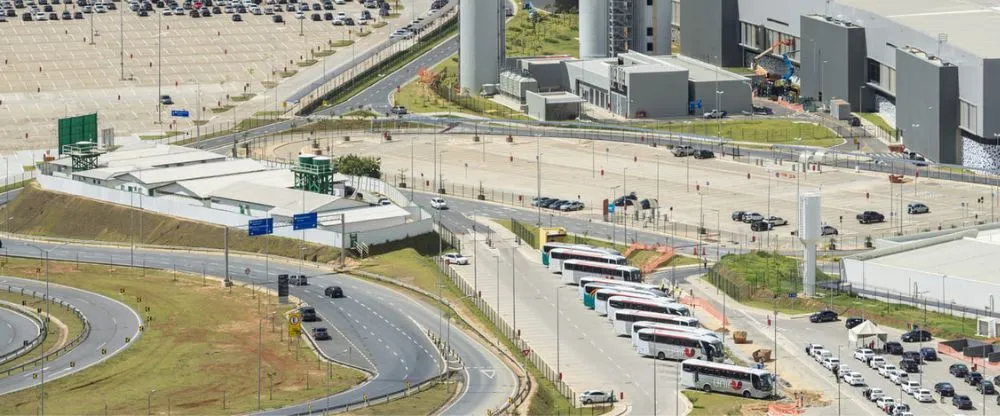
111 322
16 329
383 330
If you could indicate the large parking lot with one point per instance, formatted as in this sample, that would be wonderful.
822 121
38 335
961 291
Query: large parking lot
53 68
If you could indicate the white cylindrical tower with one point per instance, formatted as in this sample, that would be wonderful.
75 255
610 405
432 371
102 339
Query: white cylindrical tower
593 29
481 43
810 227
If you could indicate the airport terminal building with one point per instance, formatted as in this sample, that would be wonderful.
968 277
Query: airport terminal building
931 67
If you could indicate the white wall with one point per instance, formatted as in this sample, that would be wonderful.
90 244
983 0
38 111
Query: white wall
933 287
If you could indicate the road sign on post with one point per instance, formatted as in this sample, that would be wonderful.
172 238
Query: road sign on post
611 208
262 226
179 113
294 324
304 221
283 288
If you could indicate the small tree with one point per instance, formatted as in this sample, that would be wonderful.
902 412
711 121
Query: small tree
355 165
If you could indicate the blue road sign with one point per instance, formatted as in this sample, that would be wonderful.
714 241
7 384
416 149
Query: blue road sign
261 226
179 113
611 208
304 221
792 295
694 105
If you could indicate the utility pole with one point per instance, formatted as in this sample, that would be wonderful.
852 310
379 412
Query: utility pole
159 73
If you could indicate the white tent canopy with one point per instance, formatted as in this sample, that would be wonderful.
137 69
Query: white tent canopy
867 332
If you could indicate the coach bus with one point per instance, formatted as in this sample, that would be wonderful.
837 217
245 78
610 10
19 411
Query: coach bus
558 255
618 283
548 247
602 296
649 305
574 270
726 378
640 325
624 320
670 345
590 291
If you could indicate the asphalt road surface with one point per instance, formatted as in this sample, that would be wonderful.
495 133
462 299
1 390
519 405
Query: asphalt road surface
15 330
376 329
111 322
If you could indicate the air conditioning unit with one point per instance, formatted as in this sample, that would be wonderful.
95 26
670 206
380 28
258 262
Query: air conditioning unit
987 327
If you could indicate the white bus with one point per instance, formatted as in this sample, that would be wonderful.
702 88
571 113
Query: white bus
574 270
640 325
659 305
602 295
618 283
670 345
624 320
590 289
548 247
726 378
558 255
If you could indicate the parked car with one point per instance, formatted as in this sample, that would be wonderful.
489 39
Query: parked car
398 110
863 354
828 230
923 396
886 369
557 203
944 389
928 354
872 393
761 226
986 387
776 221
166 100
714 114
853 322
752 217
320 334
877 362
237 17
277 19
884 402
913 355
909 366
595 396
454 258
894 348
333 292
973 378
910 387
438 203
812 347
916 336
308 314
820 355
962 402
682 150
898 377
738 215
869 217
958 370
823 316
831 362
917 208
854 378
704 154
843 369
900 409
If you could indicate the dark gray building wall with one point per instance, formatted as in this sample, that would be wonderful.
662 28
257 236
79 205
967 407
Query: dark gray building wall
659 94
710 31
927 107
734 99
551 76
991 99
833 58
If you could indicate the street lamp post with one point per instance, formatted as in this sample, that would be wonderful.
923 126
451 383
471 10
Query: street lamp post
45 254
614 196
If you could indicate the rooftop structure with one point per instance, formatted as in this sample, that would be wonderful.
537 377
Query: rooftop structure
154 178
203 188
280 201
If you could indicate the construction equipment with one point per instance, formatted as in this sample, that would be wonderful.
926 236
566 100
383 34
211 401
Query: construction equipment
754 64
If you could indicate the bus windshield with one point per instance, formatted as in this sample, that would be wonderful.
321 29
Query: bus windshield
714 349
763 382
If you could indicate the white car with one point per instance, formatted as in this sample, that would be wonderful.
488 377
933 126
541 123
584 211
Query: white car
822 355
863 354
885 369
812 347
875 394
899 377
854 378
911 387
438 203
883 401
923 396
300 15
830 362
595 396
876 362
843 370
752 217
383 201
455 258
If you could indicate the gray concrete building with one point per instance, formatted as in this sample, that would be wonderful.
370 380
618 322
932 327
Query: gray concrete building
610 27
553 106
927 104
854 45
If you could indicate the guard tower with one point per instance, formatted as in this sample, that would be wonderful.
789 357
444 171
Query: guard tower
84 155
314 174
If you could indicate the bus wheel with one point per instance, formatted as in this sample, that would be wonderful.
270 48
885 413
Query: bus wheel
661 356
707 388
746 393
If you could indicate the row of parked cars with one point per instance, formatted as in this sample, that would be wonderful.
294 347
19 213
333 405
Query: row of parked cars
757 221
686 150
557 204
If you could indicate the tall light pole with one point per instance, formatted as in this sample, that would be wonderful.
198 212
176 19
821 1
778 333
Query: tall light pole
625 206
538 178
121 40
159 67
613 197
718 97
45 254
558 343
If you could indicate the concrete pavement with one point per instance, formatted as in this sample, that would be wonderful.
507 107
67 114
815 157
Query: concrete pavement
16 329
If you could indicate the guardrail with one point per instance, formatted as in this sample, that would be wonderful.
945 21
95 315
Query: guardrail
38 340
36 362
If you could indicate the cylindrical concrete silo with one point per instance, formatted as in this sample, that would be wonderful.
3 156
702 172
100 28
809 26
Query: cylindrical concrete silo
593 29
811 223
480 43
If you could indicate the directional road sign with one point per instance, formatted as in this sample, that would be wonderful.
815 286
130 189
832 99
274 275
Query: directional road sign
611 208
179 113
304 221
262 226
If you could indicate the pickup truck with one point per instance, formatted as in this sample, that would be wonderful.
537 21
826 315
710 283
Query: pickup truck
715 114
683 150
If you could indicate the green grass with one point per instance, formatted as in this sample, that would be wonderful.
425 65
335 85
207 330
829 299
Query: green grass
242 97
552 34
270 113
288 74
165 135
877 120
362 113
418 98
200 344
28 168
342 43
325 53
306 62
767 131
378 24
714 404
222 109
422 403
74 326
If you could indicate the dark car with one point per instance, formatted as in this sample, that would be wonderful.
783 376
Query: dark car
928 354
986 387
853 322
909 366
334 292
894 348
206 13
958 370
916 336
869 217
308 314
738 215
973 378
398 110
555 204
913 355
823 316
66 15
996 380
26 16
215 10
327 16
761 226
945 389
78 15
703 154
237 17
316 17
298 280
320 334
962 402
277 19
